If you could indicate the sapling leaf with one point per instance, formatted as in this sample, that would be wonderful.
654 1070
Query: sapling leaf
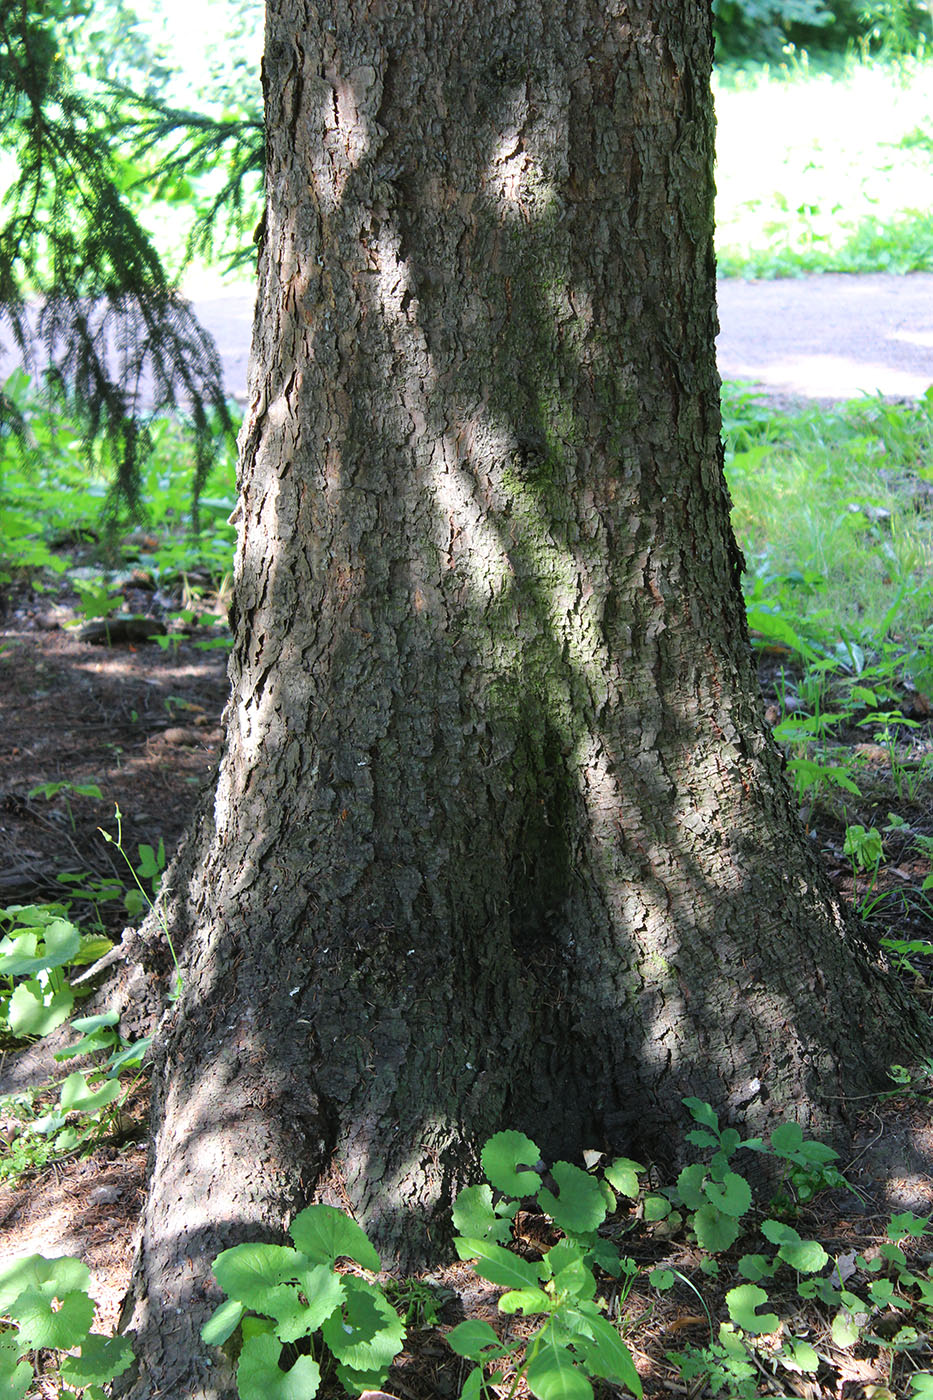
525 1300
35 1010
690 1186
247 1271
76 1094
87 1024
100 1360
559 1256
786 1139
58 1276
365 1332
503 1154
623 1174
43 1325
607 1356
922 1385
743 1303
15 1377
60 942
496 1264
702 1113
715 1231
552 1374
575 1281
732 1196
475 1216
259 1376
326 1234
802 1354
223 1322
580 1206
473 1385
475 1340
845 1331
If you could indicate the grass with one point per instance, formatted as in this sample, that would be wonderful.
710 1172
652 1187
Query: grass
824 166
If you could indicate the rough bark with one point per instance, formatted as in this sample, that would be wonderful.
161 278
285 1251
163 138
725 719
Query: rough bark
499 837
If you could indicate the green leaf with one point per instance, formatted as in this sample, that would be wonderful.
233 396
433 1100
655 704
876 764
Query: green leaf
474 1215
661 1279
76 1094
35 1010
324 1291
575 1281
526 1300
475 1340
559 1256
259 1376
922 1385
714 1230
690 1186
732 1196
222 1323
787 1139
87 1024
845 1331
15 1377
656 1208
807 1257
743 1303
326 1234
60 940
907 1224
552 1375
581 1205
496 1264
248 1271
503 1154
365 1332
802 1354
623 1174
129 1056
605 1256
755 1267
702 1113
99 1361
607 1356
42 1325
355 1382
57 1276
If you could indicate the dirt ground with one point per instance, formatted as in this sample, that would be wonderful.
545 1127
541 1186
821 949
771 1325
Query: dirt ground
143 725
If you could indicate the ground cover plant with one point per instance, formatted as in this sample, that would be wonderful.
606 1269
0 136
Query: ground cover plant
824 164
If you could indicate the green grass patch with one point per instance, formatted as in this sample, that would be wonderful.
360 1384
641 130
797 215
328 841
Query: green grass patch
824 167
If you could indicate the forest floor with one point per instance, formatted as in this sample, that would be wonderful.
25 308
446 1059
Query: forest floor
142 725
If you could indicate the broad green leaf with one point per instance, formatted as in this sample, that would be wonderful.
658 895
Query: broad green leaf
129 1056
93 946
560 1255
87 1024
802 1354
845 1330
326 1234
623 1173
355 1382
15 1377
908 1224
732 1196
247 1271
473 1339
503 1154
755 1267
807 1257
743 1303
496 1264
787 1139
475 1216
36 1010
690 1186
605 1256
77 1094
324 1292
714 1230
922 1385
580 1206
365 1332
99 1361
60 944
575 1281
473 1385
607 1356
89 1044
259 1376
702 1113
656 1207
222 1323
57 1277
525 1300
42 1325
553 1376
661 1279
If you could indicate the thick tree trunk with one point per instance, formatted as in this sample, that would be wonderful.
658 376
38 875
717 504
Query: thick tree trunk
499 837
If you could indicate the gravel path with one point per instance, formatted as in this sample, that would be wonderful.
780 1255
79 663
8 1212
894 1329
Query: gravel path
809 338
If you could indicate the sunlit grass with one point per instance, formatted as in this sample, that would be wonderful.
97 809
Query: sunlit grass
824 168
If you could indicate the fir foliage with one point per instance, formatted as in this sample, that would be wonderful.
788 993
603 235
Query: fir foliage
82 288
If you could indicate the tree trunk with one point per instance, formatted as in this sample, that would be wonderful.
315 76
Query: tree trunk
499 837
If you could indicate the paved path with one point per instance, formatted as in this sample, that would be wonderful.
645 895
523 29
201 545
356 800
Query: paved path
809 338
